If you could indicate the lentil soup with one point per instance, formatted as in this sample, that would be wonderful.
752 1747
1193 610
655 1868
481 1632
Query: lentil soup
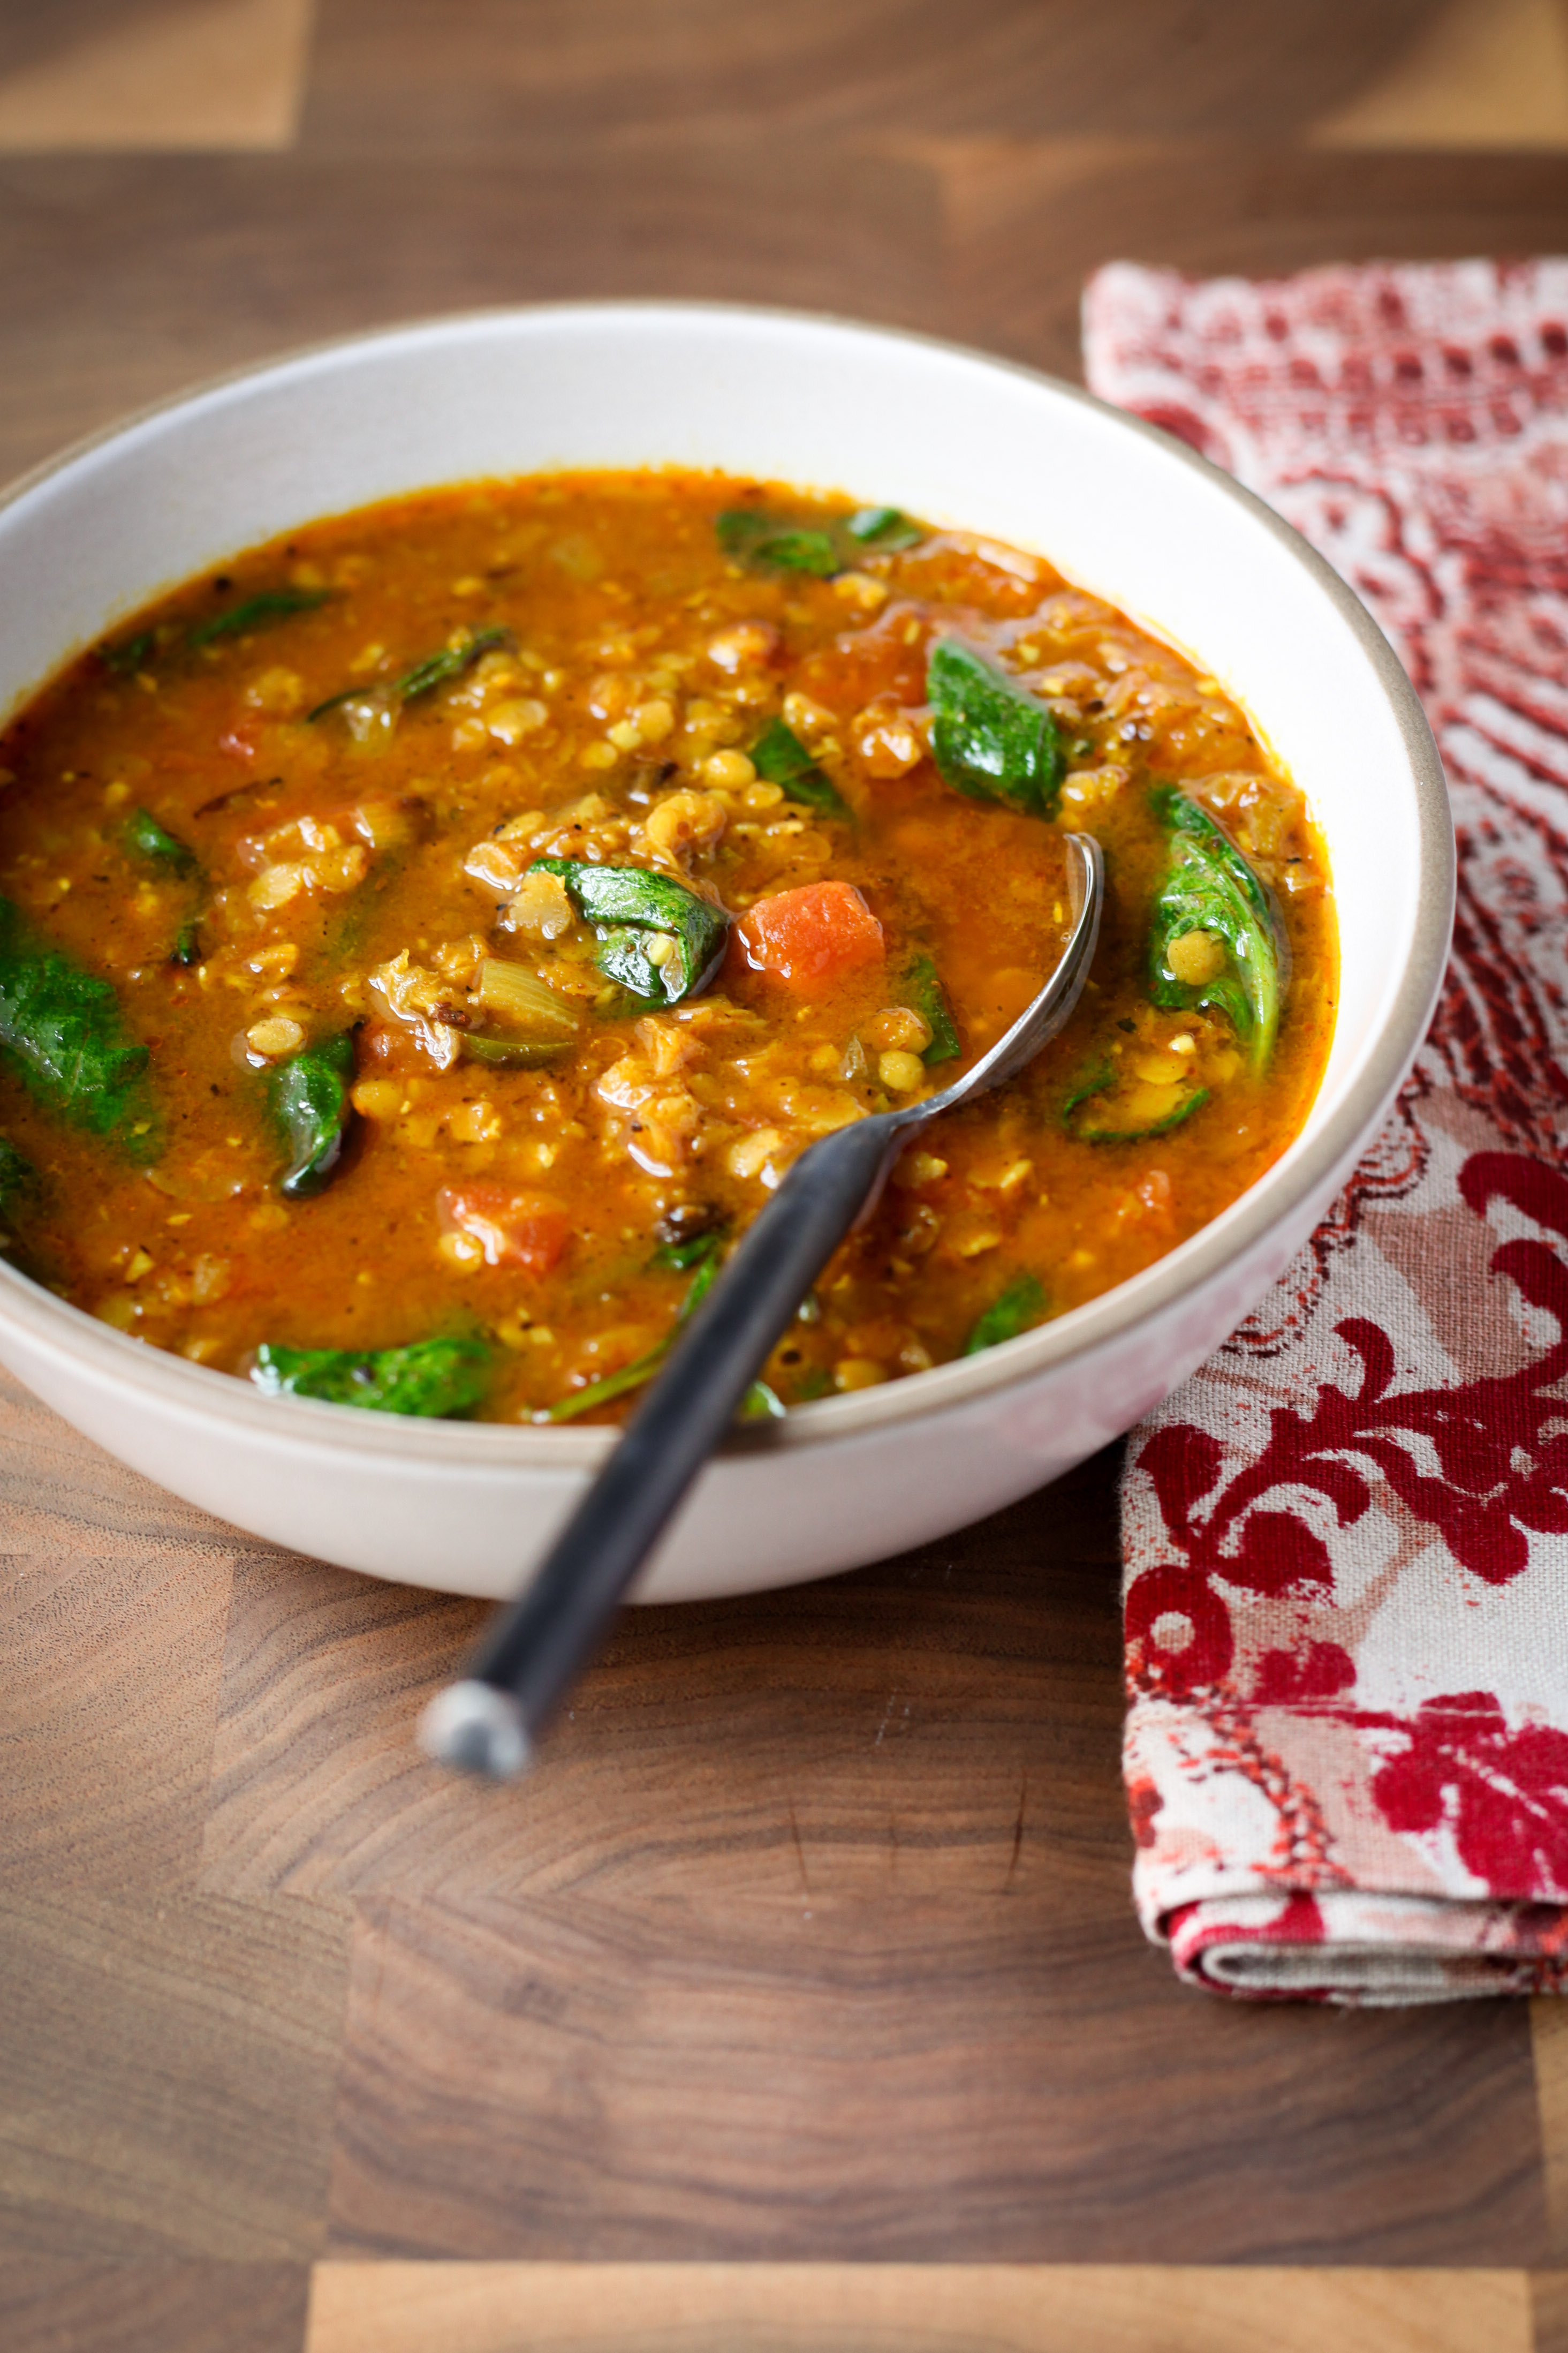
424 942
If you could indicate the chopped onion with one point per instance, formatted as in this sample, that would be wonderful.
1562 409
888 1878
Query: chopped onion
516 994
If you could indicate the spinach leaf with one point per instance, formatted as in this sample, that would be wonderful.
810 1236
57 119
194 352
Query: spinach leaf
63 1028
149 844
434 669
923 990
435 1379
439 669
749 534
991 737
1098 1081
689 1251
311 1104
613 1385
800 550
622 957
145 838
883 527
1020 1305
701 1284
1211 888
701 1252
1091 1130
258 612
769 539
656 937
781 758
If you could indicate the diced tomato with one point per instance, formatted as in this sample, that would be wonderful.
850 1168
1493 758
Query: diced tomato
526 1230
810 937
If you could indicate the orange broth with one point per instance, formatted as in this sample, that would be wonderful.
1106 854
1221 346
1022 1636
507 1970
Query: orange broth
358 872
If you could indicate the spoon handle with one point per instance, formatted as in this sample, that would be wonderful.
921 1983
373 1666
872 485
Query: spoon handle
540 1644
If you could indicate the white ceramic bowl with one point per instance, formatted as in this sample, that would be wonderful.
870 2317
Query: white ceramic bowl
949 434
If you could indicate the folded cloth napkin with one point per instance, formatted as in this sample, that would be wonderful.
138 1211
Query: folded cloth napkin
1346 1537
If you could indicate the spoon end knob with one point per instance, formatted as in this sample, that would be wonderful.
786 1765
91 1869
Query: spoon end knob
476 1728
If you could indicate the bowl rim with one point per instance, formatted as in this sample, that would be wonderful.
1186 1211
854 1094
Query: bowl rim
199 1392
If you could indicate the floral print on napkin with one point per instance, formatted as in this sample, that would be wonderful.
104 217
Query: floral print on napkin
1346 1537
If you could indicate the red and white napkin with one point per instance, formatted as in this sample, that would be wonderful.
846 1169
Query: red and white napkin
1346 1537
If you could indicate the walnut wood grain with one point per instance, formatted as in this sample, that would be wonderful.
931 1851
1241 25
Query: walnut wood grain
53 2305
197 264
400 76
116 1658
167 2075
874 1825
188 264
1548 2042
937 1726
894 2080
911 2308
113 1604
1028 221
61 1494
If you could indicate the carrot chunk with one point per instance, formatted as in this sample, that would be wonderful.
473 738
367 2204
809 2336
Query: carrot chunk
526 1230
810 937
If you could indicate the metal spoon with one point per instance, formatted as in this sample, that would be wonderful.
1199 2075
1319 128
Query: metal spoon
537 1646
